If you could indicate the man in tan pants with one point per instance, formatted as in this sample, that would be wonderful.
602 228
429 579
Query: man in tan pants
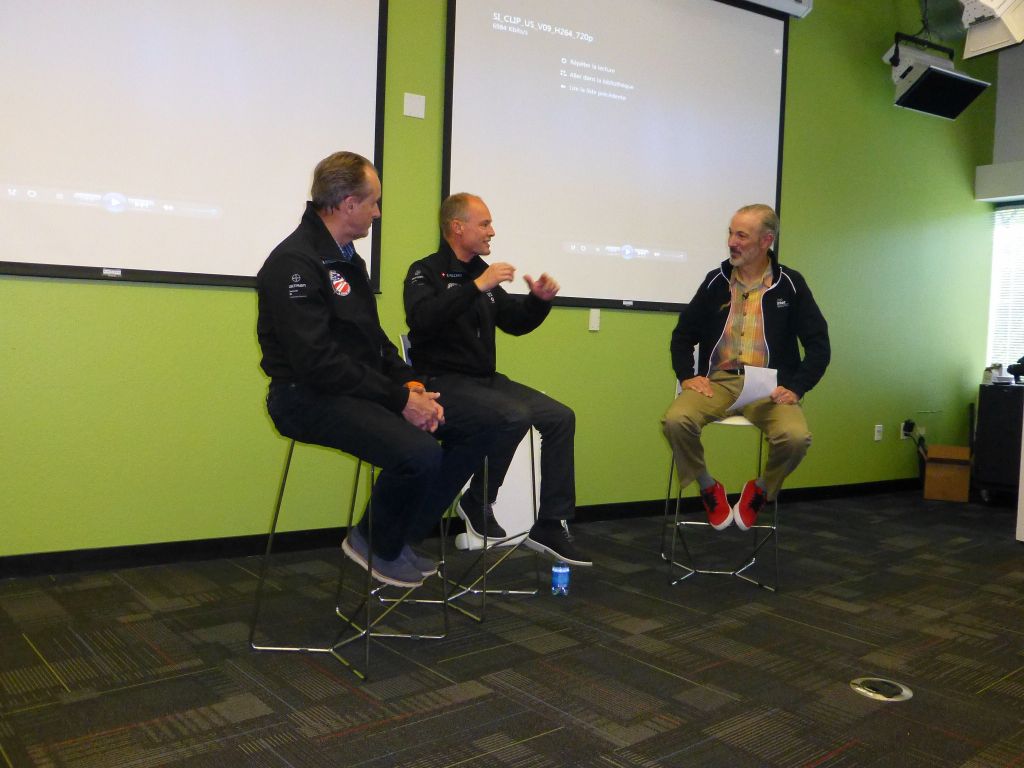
750 311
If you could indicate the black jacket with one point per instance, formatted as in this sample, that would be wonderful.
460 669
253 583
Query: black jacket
318 322
451 323
789 314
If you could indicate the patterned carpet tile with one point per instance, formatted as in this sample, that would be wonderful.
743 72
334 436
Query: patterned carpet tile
152 666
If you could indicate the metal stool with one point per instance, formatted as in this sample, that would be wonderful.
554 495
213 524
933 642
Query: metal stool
465 585
353 629
762 532
500 550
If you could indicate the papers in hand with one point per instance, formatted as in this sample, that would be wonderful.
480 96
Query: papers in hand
757 384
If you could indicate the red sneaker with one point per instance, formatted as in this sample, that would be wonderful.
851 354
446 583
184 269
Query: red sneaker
717 506
752 501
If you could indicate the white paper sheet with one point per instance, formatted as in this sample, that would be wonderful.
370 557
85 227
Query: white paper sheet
757 383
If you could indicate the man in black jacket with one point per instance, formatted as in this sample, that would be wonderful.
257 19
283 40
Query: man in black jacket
336 380
453 303
750 311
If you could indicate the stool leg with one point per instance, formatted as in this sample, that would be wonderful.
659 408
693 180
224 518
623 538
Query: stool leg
258 602
678 528
668 499
536 512
478 586
366 631
759 542
357 632
772 534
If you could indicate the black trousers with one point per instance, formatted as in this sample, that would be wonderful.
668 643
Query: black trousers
509 409
419 477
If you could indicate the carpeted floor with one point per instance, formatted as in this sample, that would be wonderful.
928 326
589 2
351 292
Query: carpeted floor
151 666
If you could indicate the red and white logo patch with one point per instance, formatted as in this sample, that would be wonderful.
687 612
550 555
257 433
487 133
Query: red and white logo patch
339 284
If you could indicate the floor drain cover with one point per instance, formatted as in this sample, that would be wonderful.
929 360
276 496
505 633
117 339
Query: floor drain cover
881 689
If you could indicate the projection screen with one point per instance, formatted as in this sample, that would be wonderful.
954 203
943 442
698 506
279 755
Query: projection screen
612 142
175 141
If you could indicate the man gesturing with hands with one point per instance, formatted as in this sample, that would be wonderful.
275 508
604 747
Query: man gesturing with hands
453 304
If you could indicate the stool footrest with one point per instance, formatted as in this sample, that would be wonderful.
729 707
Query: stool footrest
763 533
462 586
370 592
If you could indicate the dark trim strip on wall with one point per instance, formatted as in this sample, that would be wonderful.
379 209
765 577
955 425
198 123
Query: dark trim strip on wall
134 556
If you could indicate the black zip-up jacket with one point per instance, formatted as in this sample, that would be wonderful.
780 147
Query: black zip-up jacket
789 313
451 322
318 322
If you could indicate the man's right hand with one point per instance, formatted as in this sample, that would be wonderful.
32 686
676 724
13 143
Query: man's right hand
699 384
423 411
498 272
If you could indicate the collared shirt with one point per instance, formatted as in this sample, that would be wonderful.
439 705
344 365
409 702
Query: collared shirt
346 251
743 339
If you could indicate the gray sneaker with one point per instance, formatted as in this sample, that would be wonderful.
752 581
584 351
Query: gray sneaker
397 572
424 565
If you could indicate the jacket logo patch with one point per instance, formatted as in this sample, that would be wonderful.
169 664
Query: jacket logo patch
781 303
297 288
339 284
454 285
417 277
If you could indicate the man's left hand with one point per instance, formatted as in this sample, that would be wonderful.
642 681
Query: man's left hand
783 396
544 287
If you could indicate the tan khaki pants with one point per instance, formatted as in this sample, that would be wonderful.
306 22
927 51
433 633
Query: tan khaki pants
783 425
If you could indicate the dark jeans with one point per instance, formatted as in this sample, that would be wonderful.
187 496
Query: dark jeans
511 408
419 476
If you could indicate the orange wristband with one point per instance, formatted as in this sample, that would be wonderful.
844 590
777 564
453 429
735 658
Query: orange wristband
414 385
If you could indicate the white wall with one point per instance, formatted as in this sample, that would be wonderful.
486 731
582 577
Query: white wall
1004 179
1010 106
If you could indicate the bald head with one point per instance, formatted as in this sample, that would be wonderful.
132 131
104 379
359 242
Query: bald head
466 224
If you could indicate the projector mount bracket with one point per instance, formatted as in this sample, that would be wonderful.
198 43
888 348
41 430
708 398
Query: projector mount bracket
918 41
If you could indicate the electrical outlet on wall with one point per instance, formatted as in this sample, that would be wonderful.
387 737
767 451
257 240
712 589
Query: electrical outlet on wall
878 432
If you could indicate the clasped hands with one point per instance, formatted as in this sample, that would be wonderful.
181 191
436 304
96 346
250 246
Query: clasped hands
422 410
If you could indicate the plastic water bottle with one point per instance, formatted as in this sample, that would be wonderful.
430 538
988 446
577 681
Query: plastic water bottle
560 579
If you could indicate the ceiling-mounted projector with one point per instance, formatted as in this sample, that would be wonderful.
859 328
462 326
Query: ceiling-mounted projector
798 8
991 25
926 82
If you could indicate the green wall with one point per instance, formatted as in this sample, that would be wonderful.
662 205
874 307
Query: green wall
133 413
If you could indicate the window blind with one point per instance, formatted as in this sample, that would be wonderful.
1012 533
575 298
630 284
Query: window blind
1006 307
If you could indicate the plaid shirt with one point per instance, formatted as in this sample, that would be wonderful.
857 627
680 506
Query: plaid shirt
743 338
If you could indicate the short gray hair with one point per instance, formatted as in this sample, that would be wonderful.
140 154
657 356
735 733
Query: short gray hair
769 218
455 207
338 176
